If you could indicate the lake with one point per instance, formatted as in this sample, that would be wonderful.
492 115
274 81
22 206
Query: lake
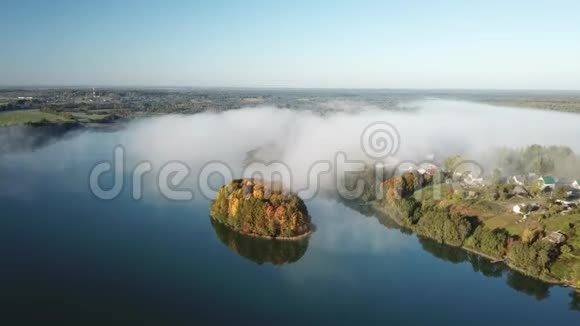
69 256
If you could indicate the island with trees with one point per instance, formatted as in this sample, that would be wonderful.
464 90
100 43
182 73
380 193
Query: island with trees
262 209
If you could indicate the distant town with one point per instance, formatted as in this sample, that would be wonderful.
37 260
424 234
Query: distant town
103 105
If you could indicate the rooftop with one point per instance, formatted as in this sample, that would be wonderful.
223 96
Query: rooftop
548 179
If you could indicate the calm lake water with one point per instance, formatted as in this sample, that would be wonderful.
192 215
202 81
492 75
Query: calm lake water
71 257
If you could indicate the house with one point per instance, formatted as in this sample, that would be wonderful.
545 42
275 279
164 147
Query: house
519 180
432 171
520 191
576 184
556 237
525 209
567 204
547 181
469 179
427 168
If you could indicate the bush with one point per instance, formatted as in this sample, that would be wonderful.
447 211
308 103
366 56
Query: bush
560 193
411 209
491 242
533 258
443 227
565 249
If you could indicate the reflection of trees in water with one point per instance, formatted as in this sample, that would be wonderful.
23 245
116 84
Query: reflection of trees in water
575 303
528 285
485 267
368 211
259 250
459 255
448 253
517 281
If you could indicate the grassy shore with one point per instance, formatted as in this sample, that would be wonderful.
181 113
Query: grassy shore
38 117
13 118
395 214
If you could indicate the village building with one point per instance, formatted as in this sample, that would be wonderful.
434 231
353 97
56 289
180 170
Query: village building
428 168
548 181
470 180
520 191
525 209
556 237
519 180
567 204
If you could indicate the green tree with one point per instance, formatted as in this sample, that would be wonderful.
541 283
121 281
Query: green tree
560 193
496 176
452 162
491 242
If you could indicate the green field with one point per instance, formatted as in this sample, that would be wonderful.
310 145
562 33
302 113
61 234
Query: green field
493 214
567 224
567 267
89 118
30 116
13 118
558 222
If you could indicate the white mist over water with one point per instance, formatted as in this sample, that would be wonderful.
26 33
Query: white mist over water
304 137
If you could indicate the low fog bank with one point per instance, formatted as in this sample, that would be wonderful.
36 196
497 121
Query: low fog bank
28 138
301 138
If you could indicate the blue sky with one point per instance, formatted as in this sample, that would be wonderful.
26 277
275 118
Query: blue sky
347 44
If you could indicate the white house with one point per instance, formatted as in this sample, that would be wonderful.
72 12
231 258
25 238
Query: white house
517 180
555 237
469 179
518 209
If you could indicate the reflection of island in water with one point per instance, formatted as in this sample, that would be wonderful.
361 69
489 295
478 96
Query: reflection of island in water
261 250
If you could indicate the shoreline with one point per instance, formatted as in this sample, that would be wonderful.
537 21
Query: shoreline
267 237
379 211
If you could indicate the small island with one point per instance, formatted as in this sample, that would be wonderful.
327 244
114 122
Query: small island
262 209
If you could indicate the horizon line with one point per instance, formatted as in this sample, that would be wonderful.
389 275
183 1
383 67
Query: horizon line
88 86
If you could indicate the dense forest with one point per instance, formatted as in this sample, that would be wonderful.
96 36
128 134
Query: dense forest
266 209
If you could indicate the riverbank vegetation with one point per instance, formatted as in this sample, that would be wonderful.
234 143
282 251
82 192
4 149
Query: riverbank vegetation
543 240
